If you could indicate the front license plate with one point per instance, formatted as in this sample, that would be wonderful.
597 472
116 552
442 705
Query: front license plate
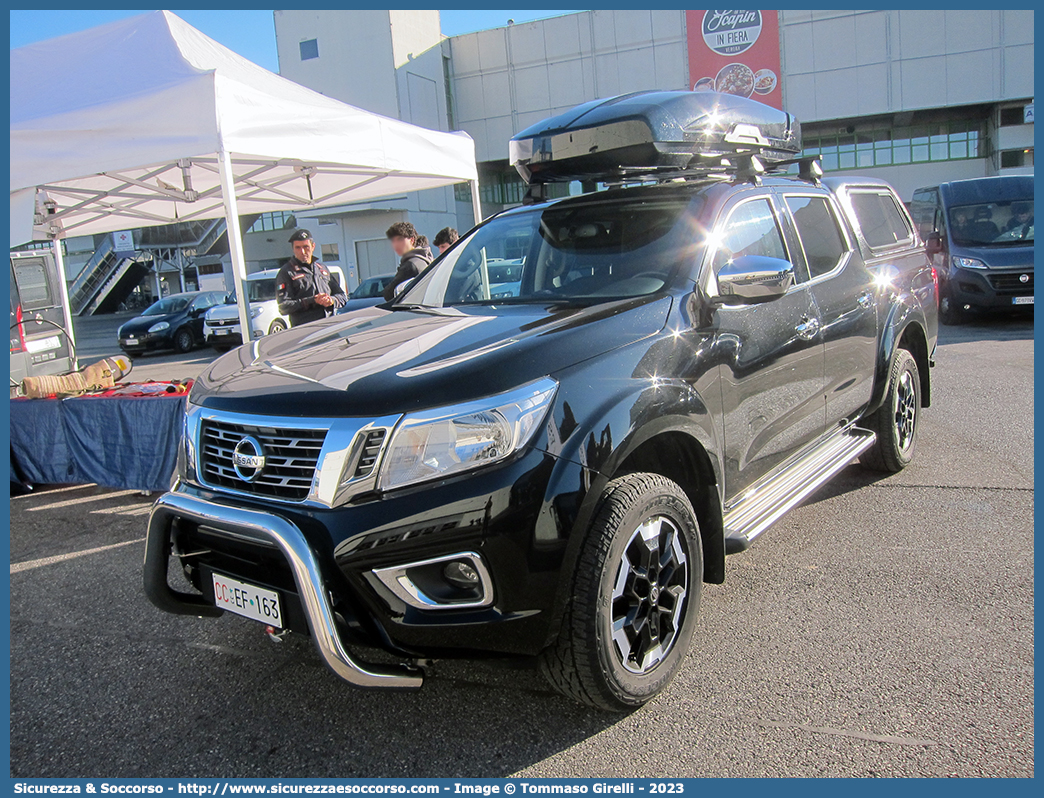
220 331
131 342
1022 300
247 600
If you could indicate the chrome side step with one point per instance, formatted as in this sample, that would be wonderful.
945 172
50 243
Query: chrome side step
767 502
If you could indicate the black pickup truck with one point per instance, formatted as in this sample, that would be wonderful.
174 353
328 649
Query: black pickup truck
554 474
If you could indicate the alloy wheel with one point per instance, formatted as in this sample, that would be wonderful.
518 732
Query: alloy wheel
648 600
905 410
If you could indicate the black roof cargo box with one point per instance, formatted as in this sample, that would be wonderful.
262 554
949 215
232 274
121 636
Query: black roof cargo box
652 132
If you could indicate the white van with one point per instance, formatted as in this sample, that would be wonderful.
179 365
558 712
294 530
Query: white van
221 325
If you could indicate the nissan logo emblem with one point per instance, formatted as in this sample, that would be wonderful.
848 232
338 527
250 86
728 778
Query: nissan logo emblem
248 459
1023 278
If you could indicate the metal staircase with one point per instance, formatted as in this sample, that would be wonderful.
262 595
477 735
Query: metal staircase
106 280
94 276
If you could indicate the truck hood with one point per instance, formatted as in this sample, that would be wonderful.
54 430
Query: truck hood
376 362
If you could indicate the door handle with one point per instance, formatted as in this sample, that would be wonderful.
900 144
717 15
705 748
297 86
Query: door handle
865 300
808 328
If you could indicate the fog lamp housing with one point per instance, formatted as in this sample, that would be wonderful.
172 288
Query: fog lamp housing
451 582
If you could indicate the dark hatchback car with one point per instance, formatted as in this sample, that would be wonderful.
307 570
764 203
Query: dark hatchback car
174 322
556 473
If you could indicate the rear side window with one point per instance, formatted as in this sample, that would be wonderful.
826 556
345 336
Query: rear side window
751 229
33 285
820 234
880 220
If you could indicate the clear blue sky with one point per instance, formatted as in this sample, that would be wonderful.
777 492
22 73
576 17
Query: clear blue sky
249 33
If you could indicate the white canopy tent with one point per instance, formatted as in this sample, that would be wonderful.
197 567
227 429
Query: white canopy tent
146 121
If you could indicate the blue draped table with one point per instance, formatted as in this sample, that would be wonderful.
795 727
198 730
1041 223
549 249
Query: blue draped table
117 442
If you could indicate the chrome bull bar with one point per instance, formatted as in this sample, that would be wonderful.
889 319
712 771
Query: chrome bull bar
267 528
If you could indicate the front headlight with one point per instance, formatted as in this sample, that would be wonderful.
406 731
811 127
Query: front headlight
438 443
969 263
255 312
159 327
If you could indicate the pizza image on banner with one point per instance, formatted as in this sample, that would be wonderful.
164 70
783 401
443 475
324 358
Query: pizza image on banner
735 52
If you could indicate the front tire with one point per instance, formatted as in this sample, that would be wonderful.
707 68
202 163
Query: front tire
896 420
635 598
277 326
951 313
184 340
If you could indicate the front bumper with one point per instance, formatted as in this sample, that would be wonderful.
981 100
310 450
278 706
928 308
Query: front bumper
146 342
516 518
230 334
311 585
993 289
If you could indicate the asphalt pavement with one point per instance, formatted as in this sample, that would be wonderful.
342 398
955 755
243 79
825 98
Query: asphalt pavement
884 628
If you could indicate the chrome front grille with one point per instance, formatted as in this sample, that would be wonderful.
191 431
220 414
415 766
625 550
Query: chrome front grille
291 457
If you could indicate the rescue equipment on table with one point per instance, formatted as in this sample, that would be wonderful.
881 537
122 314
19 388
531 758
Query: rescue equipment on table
95 377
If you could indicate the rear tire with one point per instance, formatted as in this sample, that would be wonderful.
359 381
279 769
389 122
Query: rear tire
897 419
184 341
635 597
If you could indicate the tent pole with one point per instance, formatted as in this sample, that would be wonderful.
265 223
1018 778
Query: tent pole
476 203
235 243
59 261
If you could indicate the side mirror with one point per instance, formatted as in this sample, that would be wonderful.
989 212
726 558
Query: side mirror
197 312
754 278
933 245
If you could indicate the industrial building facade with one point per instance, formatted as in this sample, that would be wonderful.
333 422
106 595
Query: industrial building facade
913 97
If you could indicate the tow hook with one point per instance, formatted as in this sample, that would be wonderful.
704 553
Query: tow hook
276 635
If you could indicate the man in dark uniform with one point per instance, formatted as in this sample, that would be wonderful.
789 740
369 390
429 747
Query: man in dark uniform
412 258
305 289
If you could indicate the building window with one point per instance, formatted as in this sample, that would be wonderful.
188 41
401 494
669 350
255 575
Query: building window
278 220
505 188
1014 115
956 140
309 49
329 253
37 245
1013 159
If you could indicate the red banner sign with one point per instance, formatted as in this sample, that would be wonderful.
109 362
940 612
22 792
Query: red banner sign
735 52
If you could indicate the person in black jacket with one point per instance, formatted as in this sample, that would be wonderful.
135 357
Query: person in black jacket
305 289
412 259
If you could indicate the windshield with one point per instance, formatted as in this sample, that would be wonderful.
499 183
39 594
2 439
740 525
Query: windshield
172 304
369 288
992 223
257 291
576 251
261 290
